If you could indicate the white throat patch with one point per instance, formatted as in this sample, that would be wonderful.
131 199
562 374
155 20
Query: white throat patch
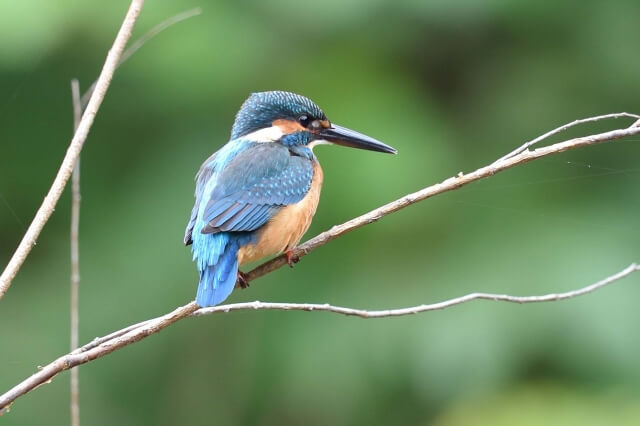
268 134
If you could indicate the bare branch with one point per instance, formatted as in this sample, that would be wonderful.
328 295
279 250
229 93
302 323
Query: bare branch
128 336
420 308
52 197
46 373
449 184
75 258
136 45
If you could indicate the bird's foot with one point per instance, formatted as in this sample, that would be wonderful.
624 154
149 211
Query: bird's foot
291 259
243 280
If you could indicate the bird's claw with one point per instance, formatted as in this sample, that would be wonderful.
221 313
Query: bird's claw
243 280
291 259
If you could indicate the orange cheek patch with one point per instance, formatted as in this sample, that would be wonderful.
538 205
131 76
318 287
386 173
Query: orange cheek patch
288 126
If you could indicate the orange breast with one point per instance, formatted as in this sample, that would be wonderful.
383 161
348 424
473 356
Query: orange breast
286 228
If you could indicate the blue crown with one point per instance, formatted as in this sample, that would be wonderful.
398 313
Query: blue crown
261 109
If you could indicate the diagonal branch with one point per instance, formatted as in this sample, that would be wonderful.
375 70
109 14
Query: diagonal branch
131 334
452 183
80 136
46 373
45 211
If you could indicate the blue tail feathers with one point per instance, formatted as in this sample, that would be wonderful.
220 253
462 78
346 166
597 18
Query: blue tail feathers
217 281
217 258
218 278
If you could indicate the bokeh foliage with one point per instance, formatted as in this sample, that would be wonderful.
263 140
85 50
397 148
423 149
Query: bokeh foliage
453 86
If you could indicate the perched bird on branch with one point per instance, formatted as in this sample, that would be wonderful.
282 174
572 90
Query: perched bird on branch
256 196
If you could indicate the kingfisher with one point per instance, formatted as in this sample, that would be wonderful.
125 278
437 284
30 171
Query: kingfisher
256 196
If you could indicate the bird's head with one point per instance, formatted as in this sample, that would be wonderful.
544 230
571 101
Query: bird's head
294 121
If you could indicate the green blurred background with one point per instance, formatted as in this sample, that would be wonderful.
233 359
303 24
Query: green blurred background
453 86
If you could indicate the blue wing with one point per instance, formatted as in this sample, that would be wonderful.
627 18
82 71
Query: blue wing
254 186
238 190
203 176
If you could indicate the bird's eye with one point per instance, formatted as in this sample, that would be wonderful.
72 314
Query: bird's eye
304 120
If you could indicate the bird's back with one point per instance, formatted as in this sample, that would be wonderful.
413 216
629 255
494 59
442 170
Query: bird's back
252 200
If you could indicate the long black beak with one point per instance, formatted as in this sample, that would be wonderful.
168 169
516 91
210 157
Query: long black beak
347 137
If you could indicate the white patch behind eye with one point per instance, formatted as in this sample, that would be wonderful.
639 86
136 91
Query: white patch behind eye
268 134
313 144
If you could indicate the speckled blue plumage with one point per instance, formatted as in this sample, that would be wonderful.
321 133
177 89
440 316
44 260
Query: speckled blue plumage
215 254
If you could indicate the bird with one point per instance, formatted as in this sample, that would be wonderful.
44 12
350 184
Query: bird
255 197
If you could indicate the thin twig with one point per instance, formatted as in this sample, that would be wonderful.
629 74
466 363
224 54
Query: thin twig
362 313
565 127
52 197
100 340
155 325
145 38
75 258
